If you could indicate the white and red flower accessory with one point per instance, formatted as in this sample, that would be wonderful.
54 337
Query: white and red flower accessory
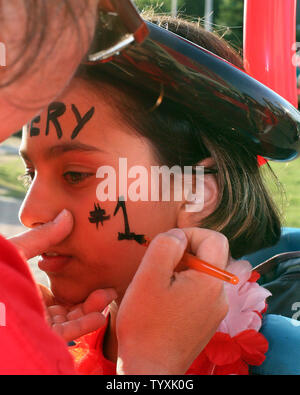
237 344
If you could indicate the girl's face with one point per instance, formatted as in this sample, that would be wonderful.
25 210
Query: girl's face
63 151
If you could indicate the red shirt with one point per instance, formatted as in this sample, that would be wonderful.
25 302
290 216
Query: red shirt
89 358
88 354
27 343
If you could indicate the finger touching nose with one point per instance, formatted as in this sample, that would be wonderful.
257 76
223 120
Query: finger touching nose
38 240
39 206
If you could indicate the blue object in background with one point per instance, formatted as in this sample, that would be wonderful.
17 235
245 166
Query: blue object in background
289 241
282 333
283 356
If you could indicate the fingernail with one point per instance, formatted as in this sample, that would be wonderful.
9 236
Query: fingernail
64 214
111 292
179 234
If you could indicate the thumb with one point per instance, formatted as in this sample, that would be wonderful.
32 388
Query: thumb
36 241
162 256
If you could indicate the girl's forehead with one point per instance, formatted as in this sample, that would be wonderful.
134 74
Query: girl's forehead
82 104
72 124
83 114
83 91
78 113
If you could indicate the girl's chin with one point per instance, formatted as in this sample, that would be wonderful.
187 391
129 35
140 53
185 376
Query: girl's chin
66 294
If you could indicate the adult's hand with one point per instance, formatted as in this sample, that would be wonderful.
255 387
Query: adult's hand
166 318
37 240
70 322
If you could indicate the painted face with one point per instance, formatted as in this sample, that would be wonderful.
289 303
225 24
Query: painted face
63 150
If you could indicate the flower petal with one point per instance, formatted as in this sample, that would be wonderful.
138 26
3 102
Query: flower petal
201 366
245 300
240 322
240 268
237 368
222 349
255 297
255 276
253 346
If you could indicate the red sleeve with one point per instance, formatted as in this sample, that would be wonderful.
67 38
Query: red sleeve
27 344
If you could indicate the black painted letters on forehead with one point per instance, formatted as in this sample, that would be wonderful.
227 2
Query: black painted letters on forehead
81 121
55 111
33 130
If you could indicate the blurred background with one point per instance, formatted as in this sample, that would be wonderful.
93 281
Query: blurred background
225 17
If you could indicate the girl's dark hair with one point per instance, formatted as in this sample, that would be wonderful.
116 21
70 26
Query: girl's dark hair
245 213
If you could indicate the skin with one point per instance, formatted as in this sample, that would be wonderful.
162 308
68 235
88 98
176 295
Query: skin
66 178
188 292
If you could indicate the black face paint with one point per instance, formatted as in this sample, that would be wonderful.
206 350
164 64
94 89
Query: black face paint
81 121
127 235
55 111
98 215
33 130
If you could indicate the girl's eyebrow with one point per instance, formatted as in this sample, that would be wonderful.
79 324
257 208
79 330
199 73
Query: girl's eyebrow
61 149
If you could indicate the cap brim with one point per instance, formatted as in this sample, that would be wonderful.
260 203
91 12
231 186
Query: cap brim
222 95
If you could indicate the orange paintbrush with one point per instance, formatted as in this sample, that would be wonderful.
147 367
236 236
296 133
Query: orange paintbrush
192 262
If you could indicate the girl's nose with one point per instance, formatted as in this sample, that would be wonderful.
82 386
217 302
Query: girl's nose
39 205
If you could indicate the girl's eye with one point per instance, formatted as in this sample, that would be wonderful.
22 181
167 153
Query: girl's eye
73 177
27 178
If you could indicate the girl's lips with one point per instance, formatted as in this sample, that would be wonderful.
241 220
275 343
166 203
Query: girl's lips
53 264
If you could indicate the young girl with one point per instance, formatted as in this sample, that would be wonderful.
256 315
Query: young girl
100 120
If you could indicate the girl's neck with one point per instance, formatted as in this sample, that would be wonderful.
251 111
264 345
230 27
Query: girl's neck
110 342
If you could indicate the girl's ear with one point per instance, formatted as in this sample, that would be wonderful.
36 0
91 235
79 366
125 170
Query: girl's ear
191 213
